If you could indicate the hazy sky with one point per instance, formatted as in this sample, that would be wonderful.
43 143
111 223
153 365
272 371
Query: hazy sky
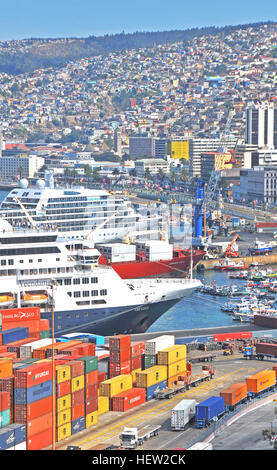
81 18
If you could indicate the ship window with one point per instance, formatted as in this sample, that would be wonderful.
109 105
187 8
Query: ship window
77 294
11 261
98 301
67 282
85 280
83 302
76 281
94 293
94 280
86 293
103 292
3 262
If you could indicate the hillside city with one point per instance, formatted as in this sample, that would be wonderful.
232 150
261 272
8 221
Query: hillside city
166 113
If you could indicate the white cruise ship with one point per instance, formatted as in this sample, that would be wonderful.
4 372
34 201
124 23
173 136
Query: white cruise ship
87 297
75 212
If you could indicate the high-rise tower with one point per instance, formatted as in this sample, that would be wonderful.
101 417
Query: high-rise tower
261 126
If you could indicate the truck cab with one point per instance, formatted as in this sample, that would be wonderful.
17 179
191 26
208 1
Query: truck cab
129 437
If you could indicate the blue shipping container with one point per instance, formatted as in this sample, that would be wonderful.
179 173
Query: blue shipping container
6 438
19 430
29 395
195 339
209 409
78 425
15 334
150 391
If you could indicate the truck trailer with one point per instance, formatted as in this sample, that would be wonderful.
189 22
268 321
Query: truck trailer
130 438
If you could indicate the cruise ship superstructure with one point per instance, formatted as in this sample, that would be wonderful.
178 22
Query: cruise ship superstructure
42 268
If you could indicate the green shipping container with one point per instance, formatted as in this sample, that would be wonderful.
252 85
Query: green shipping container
5 417
44 334
91 363
149 360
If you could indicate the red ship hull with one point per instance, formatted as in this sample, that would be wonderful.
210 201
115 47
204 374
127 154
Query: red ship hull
172 267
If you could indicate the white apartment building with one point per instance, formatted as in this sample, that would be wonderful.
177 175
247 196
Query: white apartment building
23 166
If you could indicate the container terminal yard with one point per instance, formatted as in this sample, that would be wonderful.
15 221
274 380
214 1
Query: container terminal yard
82 391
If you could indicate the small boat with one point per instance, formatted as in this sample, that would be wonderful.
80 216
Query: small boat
230 265
6 300
34 299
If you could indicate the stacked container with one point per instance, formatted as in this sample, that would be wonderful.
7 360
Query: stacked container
152 379
7 385
91 390
5 409
33 405
114 386
13 437
137 354
129 399
63 401
120 355
174 358
153 346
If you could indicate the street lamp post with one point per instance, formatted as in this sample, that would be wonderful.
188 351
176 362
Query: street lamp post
53 374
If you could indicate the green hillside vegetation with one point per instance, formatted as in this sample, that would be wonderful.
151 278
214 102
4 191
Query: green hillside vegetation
38 53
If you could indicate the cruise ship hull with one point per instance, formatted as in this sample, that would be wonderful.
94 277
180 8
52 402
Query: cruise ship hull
120 320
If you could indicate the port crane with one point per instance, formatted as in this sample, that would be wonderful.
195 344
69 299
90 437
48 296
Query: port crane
229 253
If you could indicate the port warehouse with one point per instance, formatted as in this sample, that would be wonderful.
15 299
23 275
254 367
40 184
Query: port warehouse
92 375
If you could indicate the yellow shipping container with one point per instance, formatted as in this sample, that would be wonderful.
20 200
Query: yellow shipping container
153 375
103 405
91 419
64 417
63 373
116 385
177 368
133 374
77 383
172 354
63 432
63 403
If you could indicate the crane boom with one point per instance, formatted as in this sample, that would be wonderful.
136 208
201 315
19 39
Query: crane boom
29 217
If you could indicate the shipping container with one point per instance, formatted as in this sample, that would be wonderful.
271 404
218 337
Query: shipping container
91 405
136 363
63 403
121 355
90 363
21 446
62 432
77 411
91 378
151 376
129 399
208 410
16 314
29 395
179 367
5 418
120 368
39 424
234 394
6 368
58 347
173 354
24 413
32 375
78 425
78 397
261 381
41 440
91 419
134 376
151 391
116 385
63 373
148 360
182 414
77 368
266 348
195 339
275 370
19 432
77 383
91 390
7 438
154 345
14 334
63 388
103 405
137 348
119 342
63 417
5 400
232 336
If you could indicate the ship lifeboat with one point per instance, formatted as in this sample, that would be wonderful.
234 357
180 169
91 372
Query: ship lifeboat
34 298
6 300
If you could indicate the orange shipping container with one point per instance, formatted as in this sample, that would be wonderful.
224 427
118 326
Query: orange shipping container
40 440
275 369
261 381
39 424
33 325
234 394
6 368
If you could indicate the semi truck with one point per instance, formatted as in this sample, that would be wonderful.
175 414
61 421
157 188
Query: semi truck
186 382
261 351
182 414
130 438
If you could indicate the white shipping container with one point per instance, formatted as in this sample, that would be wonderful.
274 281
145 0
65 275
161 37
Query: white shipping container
117 248
116 258
154 345
26 350
182 414
159 256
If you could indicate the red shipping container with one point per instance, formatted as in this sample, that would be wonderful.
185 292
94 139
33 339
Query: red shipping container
91 377
40 440
119 369
3 349
77 411
102 376
20 314
24 413
137 348
231 336
121 355
91 404
63 388
33 375
59 346
11 355
275 368
5 401
129 399
44 324
120 342
77 368
39 424
32 325
78 397
91 391
136 362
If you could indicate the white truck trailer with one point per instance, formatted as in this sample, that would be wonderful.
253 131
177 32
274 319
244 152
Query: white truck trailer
130 438
182 414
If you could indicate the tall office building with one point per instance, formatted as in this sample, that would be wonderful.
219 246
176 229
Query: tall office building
261 126
117 142
198 147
